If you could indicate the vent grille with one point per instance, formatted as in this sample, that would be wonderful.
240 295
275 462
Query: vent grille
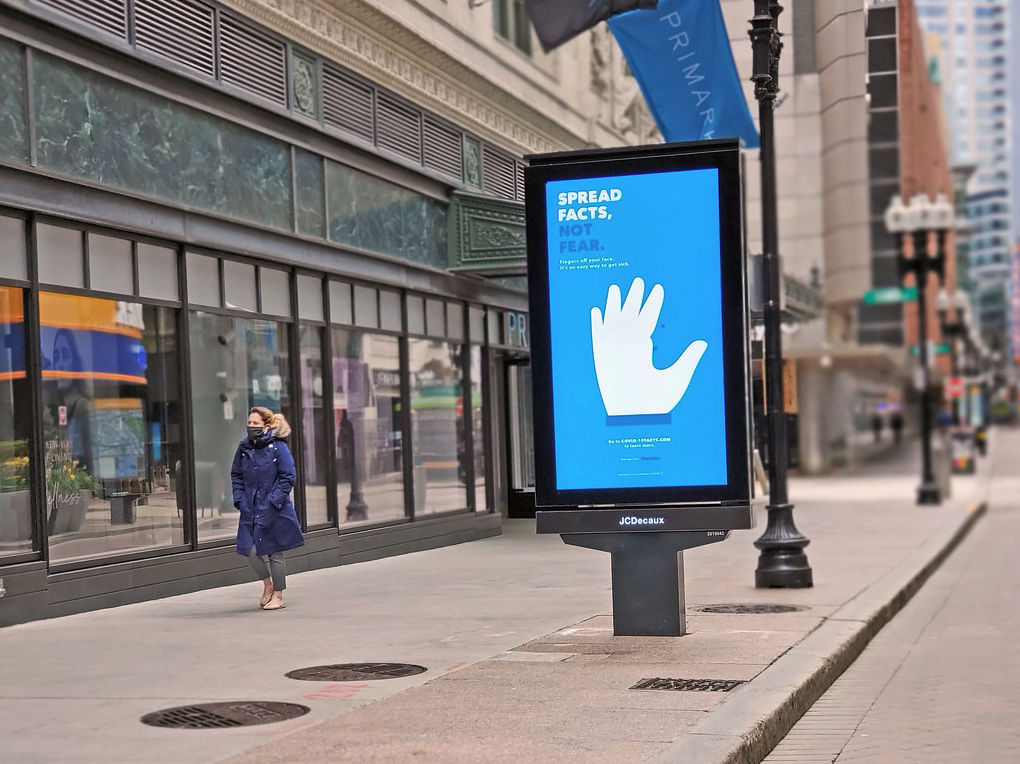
689 685
222 715
108 15
179 30
443 148
498 175
399 128
356 672
347 103
520 182
756 608
252 61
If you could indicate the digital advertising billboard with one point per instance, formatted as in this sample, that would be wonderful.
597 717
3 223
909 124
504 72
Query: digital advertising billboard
639 326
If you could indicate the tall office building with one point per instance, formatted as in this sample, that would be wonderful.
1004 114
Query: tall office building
975 66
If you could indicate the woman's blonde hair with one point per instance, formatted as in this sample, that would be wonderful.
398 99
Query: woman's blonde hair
276 422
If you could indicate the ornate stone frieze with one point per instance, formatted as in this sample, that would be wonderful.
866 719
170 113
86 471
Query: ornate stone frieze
363 39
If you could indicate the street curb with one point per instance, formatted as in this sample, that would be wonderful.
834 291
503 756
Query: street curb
746 728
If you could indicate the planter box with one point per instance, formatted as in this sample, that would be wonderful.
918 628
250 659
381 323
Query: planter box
67 511
15 516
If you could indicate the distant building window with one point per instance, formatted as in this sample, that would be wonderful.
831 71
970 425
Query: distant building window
510 21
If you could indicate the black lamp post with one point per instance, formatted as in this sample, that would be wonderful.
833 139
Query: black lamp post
782 562
918 220
953 331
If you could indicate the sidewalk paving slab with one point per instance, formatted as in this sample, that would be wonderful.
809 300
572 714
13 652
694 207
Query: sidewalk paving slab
516 634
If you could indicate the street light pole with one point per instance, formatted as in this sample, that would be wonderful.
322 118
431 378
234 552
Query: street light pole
781 562
928 491
918 220
953 331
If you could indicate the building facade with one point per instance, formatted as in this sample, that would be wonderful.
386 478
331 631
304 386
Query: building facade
310 206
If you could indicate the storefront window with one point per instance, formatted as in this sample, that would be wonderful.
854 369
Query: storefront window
437 427
369 427
15 507
236 363
313 420
478 426
111 420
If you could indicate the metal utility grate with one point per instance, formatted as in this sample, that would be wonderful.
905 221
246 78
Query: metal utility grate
348 103
750 609
252 61
108 15
222 715
180 30
444 149
688 685
499 174
398 127
356 672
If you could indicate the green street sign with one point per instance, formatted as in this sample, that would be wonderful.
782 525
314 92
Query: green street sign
889 295
941 348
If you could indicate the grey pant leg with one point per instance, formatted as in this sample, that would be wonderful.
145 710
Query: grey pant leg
278 569
258 564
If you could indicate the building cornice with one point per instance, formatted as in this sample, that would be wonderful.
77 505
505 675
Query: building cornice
365 40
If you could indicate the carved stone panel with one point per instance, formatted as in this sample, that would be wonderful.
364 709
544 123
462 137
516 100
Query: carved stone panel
487 236
304 85
472 162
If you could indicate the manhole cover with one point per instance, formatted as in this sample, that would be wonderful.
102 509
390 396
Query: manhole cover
688 685
750 609
242 713
356 672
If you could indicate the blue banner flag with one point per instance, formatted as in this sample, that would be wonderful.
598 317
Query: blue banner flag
680 54
557 21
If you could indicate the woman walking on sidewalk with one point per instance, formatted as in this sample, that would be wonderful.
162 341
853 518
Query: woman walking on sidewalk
262 477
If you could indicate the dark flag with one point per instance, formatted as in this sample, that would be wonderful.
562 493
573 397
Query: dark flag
557 21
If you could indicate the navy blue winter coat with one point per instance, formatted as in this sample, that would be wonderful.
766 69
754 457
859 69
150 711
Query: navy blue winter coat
262 477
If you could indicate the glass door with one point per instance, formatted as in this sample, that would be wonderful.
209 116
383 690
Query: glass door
521 445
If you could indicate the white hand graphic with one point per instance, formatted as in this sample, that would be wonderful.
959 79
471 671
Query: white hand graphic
622 344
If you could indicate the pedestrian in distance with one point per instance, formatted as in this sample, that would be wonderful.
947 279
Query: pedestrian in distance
944 420
876 426
896 423
262 477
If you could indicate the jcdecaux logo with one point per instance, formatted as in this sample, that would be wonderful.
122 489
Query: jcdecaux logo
631 520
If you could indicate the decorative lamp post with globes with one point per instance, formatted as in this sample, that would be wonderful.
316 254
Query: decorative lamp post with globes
918 220
953 331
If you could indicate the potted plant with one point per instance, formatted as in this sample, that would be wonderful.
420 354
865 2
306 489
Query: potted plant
69 487
15 518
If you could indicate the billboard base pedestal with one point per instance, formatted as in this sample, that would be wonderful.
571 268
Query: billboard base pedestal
648 577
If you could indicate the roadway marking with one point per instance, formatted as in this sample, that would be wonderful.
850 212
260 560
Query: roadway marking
336 692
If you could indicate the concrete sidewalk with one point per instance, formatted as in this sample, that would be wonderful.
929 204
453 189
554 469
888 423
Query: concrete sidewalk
516 634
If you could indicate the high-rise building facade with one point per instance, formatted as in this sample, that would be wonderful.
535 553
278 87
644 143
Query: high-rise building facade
975 66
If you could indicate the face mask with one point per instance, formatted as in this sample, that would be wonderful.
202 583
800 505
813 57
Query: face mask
255 432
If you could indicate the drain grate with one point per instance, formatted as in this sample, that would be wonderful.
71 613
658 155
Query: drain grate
688 685
356 672
750 609
220 715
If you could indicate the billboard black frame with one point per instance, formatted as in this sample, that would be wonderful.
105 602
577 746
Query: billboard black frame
724 156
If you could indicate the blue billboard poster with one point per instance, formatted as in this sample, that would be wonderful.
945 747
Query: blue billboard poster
638 326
